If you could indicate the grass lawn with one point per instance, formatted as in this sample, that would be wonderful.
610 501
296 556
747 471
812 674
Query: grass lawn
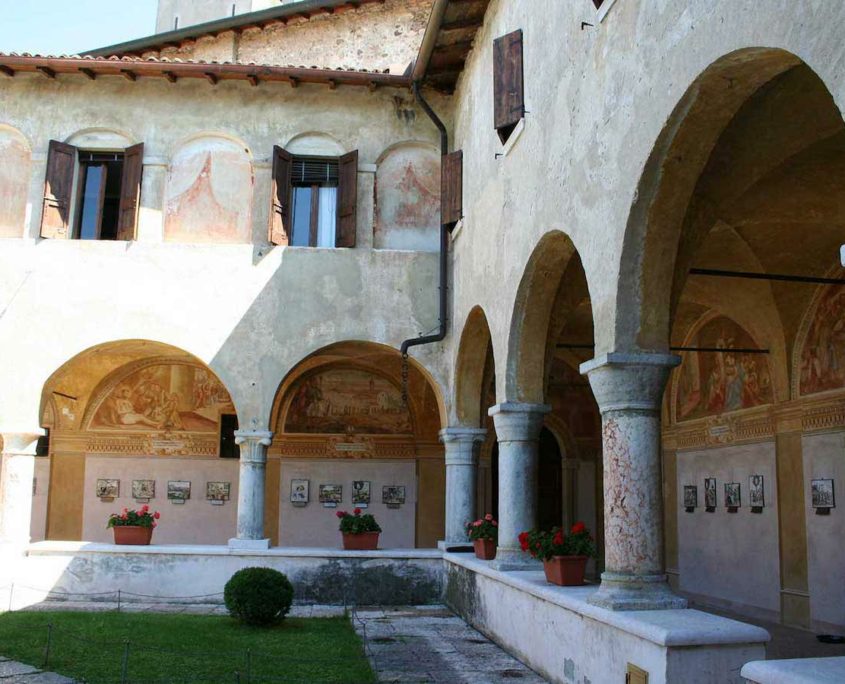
186 648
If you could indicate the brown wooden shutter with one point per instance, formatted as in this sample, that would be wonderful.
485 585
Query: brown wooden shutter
58 182
130 191
347 199
280 220
451 188
508 88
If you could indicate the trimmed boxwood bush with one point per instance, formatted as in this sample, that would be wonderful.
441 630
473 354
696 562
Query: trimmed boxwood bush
258 596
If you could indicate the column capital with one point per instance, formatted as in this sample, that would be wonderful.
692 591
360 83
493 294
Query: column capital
629 381
462 434
21 442
263 437
518 422
462 445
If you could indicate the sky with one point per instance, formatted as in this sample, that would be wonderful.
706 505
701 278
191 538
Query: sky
58 27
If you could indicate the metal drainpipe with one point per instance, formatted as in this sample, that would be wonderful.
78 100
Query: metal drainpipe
444 248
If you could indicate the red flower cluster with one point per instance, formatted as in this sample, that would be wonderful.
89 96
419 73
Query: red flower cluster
578 528
523 541
546 544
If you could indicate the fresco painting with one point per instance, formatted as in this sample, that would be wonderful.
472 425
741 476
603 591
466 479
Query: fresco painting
711 383
173 397
823 352
15 163
209 196
339 401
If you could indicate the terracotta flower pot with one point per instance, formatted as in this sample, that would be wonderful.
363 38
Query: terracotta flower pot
133 535
565 571
366 541
485 549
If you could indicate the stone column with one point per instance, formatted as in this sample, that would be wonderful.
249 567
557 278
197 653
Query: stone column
517 432
462 445
17 470
629 390
253 444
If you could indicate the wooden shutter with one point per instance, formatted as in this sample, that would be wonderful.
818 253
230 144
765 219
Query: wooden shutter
508 88
451 188
130 191
347 199
280 220
58 182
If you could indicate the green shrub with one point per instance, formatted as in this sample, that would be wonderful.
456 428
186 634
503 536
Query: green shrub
258 596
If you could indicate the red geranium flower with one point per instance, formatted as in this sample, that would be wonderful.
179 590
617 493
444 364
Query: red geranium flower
488 517
557 540
156 515
341 514
578 528
357 511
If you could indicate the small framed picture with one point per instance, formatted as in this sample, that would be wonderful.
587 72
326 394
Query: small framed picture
108 489
217 492
733 498
393 496
143 490
710 494
690 498
331 495
361 493
178 491
822 495
756 493
299 492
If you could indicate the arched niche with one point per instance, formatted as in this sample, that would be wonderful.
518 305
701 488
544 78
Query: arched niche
106 139
15 178
475 353
209 192
314 143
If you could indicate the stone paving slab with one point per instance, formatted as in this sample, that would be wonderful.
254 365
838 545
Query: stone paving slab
10 668
431 644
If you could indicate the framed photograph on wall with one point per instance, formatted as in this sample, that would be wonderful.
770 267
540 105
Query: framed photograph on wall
822 495
108 489
756 493
393 495
690 498
143 490
217 492
178 491
361 493
710 494
733 498
299 492
331 495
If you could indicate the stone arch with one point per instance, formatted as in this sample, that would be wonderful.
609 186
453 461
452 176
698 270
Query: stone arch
473 350
209 190
666 220
15 172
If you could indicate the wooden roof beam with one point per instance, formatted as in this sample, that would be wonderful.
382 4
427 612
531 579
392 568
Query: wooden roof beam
47 71
253 79
211 78
170 76
90 74
460 24
7 71
129 75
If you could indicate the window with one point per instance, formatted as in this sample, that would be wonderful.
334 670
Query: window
228 425
508 84
314 182
108 189
314 200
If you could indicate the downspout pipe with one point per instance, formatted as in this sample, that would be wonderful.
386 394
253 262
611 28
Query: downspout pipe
444 239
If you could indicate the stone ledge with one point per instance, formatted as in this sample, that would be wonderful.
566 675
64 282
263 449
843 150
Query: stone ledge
669 628
795 671
58 548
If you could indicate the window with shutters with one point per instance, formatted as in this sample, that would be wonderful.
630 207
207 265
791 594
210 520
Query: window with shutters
314 184
508 85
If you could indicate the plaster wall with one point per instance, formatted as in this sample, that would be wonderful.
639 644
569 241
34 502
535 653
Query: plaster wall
314 525
196 521
40 489
730 559
824 458
598 97
214 301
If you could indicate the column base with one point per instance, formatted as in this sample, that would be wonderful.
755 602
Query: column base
510 559
249 544
636 592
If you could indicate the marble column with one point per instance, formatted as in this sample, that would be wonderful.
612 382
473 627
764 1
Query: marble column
517 432
17 470
253 444
629 390
462 447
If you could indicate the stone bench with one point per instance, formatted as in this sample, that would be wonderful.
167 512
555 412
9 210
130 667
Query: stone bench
795 671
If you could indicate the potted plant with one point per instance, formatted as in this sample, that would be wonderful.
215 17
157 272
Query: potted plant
360 532
564 556
134 527
484 534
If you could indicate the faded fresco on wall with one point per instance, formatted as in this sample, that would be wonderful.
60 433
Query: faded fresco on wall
209 193
15 162
823 352
347 400
710 383
172 397
408 199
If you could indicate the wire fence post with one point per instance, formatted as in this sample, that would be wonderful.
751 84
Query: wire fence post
118 600
248 665
124 670
238 677
11 591
49 643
